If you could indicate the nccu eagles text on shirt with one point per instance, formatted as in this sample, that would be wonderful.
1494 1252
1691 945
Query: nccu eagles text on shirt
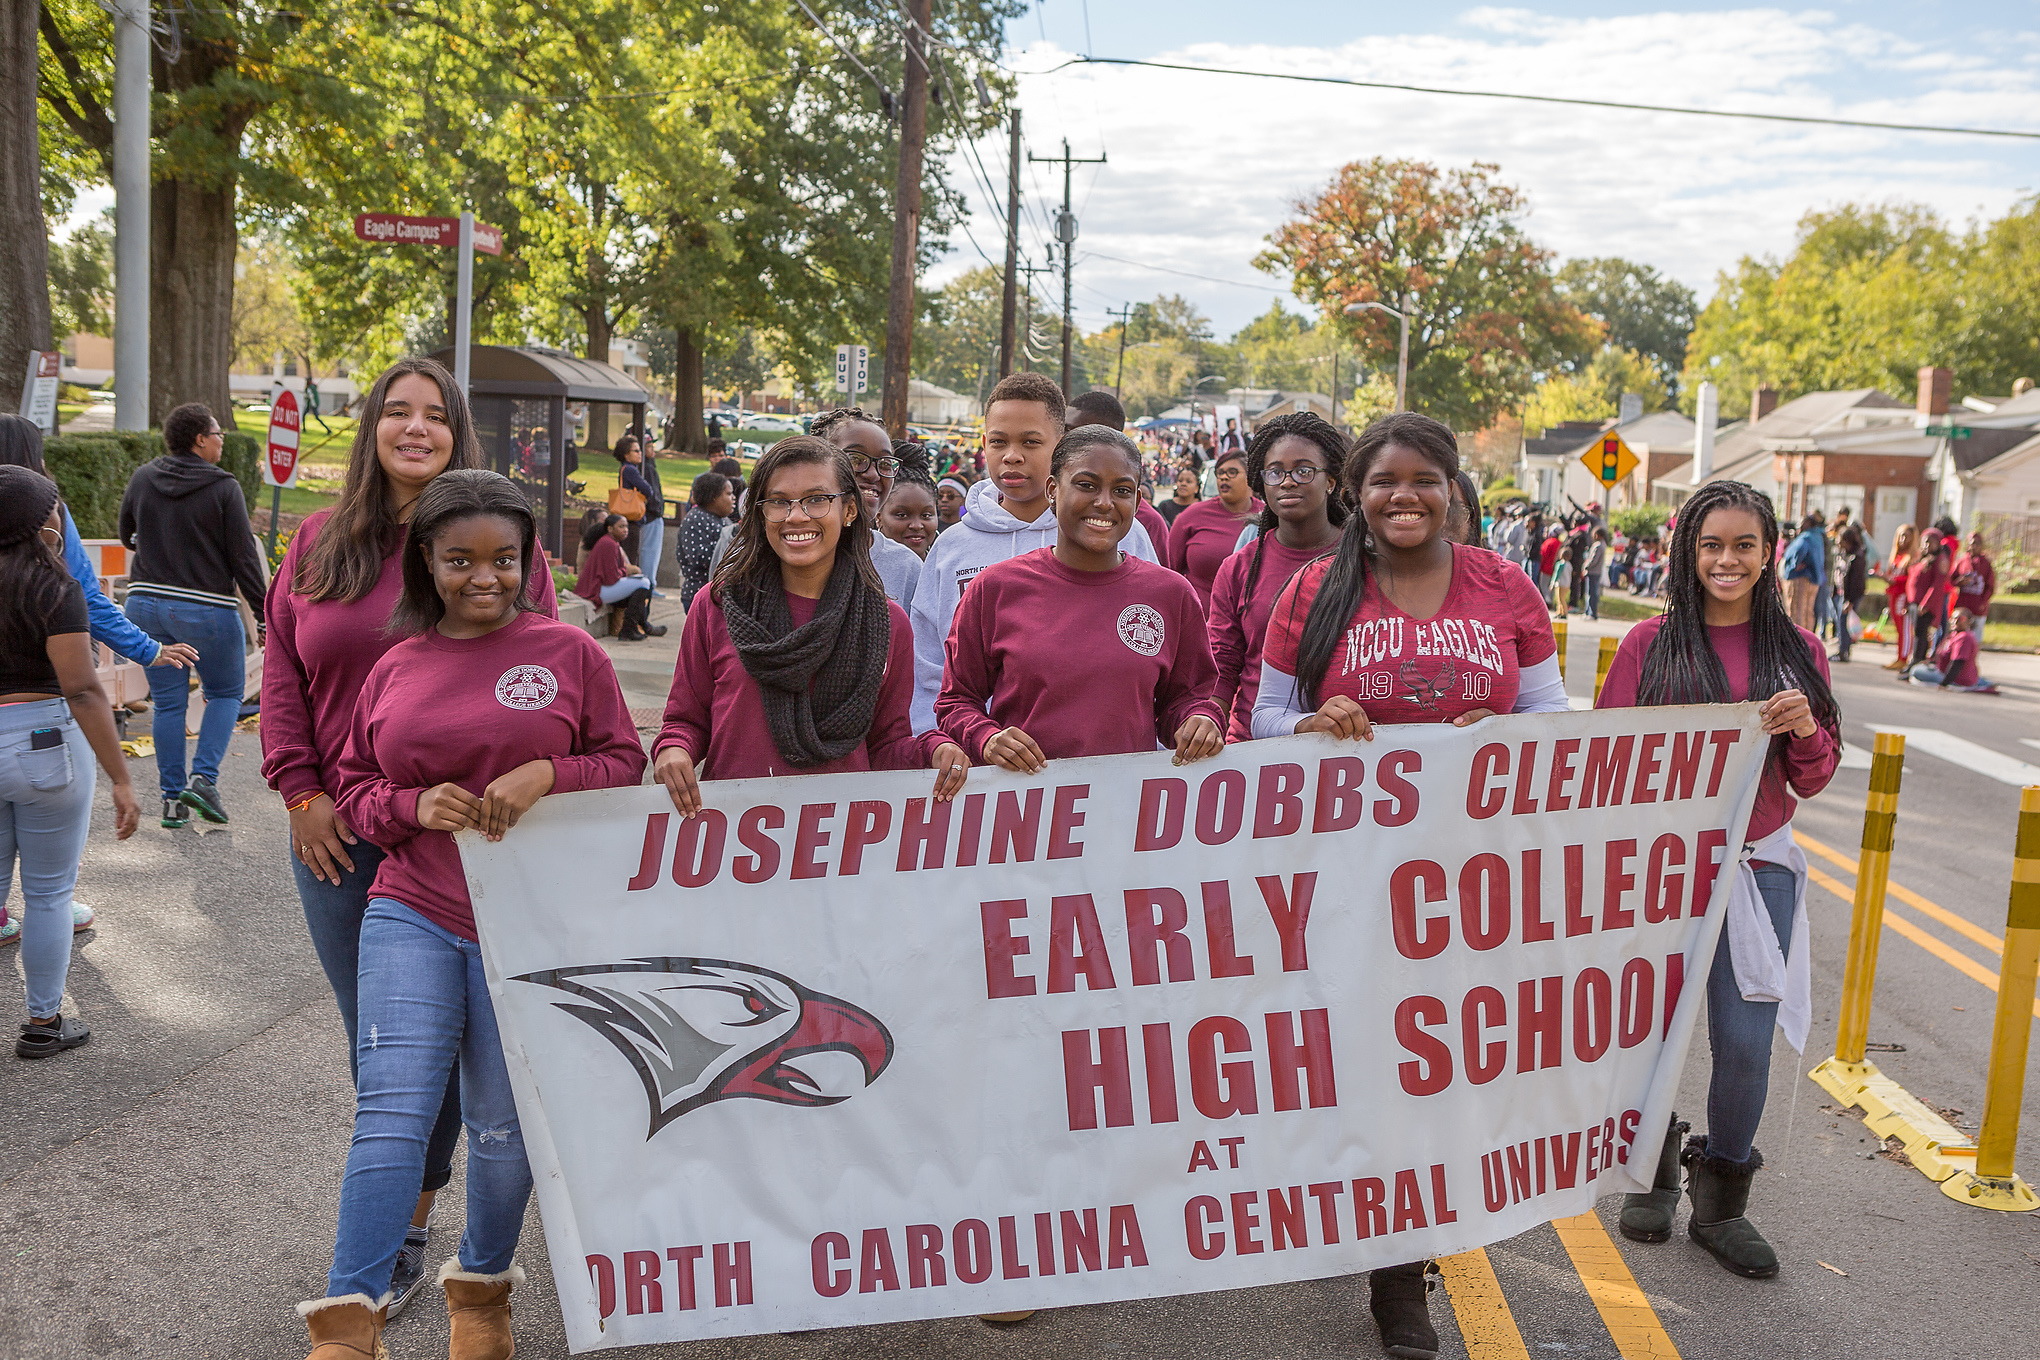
1146 938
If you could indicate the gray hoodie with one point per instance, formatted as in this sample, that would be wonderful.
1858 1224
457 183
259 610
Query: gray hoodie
987 533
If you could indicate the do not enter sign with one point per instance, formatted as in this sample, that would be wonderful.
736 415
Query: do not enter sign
286 423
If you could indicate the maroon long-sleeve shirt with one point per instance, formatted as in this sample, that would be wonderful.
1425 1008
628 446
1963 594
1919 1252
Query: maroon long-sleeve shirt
715 714
318 658
1238 623
1088 663
1202 538
1798 765
440 710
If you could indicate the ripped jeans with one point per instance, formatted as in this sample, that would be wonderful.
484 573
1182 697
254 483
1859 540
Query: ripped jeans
423 1002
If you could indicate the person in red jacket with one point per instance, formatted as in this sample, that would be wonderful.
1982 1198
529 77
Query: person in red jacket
1725 638
794 661
484 708
1206 533
608 577
327 607
1080 618
1927 588
1297 460
1975 584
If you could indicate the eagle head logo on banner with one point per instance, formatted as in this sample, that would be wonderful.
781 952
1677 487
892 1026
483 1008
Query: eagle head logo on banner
701 1030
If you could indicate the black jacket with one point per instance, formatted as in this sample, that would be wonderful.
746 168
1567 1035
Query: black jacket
187 524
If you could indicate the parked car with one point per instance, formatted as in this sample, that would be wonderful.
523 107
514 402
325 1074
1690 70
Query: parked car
773 422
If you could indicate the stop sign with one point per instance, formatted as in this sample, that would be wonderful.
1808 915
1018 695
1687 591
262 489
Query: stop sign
285 424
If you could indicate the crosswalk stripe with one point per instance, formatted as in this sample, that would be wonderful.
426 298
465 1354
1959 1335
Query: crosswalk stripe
1631 1322
1485 1322
1961 751
1854 758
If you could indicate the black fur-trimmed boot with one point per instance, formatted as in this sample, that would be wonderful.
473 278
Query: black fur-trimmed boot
1648 1217
1402 1310
1721 1193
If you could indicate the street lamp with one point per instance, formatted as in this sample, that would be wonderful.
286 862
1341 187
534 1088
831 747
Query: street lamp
1402 346
1209 377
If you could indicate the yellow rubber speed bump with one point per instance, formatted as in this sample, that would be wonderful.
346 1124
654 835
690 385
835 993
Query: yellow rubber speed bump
1602 664
1937 1148
1994 1184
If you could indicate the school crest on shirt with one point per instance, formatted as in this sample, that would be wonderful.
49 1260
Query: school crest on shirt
526 687
1140 627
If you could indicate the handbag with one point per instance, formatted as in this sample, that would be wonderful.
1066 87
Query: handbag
628 503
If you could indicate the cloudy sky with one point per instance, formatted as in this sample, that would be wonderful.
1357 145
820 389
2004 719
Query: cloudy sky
1203 166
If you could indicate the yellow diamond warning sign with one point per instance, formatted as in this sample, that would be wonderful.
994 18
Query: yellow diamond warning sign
1608 459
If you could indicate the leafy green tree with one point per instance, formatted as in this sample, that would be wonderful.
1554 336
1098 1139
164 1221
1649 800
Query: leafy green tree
1641 309
1999 338
81 281
1595 391
1485 314
1868 295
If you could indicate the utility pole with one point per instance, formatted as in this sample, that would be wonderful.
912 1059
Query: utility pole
899 316
1006 304
131 214
1123 315
1066 234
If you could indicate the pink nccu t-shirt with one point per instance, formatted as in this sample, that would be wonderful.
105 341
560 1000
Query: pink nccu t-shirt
1469 655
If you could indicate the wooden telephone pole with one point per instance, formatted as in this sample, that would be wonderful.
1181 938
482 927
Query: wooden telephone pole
899 315
1008 302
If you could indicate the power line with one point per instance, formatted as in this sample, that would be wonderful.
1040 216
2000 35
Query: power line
1545 98
1164 269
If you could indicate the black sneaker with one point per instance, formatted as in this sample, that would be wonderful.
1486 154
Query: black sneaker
40 1040
204 798
174 814
409 1274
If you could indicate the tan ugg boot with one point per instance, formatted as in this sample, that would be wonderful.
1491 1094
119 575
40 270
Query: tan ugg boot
346 1328
479 1308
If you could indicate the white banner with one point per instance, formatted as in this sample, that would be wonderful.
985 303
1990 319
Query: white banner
830 1053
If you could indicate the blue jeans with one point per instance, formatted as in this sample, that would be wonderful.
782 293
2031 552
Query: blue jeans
333 919
1593 595
623 589
215 630
1739 1032
423 1004
651 542
45 811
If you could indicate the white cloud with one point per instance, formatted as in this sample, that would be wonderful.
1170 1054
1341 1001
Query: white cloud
1203 167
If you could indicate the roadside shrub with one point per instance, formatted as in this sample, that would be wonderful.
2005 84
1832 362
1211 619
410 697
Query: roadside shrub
92 470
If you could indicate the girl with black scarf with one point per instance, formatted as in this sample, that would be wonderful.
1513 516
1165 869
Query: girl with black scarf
796 663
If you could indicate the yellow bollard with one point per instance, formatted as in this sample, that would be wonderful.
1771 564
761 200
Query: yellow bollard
1558 636
1602 664
1873 870
1936 1148
1994 1185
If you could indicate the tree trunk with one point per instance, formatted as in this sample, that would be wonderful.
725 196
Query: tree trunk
691 430
191 297
24 264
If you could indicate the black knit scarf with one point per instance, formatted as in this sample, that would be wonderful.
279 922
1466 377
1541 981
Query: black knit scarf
820 681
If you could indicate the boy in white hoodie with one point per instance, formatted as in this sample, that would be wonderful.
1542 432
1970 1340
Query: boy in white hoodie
1004 516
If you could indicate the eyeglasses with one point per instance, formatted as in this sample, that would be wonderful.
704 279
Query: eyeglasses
1229 470
778 508
214 433
886 466
1302 476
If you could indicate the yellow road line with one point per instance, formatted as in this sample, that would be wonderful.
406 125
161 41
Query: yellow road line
1631 1321
1898 923
1485 1322
1959 924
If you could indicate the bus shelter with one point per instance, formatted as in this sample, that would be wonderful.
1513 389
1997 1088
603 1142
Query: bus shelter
527 402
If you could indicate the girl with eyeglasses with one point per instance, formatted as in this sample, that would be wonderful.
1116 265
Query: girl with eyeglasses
1203 535
1296 460
876 466
793 661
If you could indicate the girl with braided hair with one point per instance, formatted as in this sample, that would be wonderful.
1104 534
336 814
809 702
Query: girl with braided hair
793 661
1725 637
908 516
1296 460
1403 625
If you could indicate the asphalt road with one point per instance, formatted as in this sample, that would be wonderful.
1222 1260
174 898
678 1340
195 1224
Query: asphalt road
169 1190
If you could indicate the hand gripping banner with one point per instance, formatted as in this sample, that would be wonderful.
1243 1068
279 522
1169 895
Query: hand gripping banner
832 1053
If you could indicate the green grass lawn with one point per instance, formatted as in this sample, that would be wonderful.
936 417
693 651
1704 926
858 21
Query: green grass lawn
1623 608
2010 637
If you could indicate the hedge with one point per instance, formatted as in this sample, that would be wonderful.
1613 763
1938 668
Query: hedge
92 471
